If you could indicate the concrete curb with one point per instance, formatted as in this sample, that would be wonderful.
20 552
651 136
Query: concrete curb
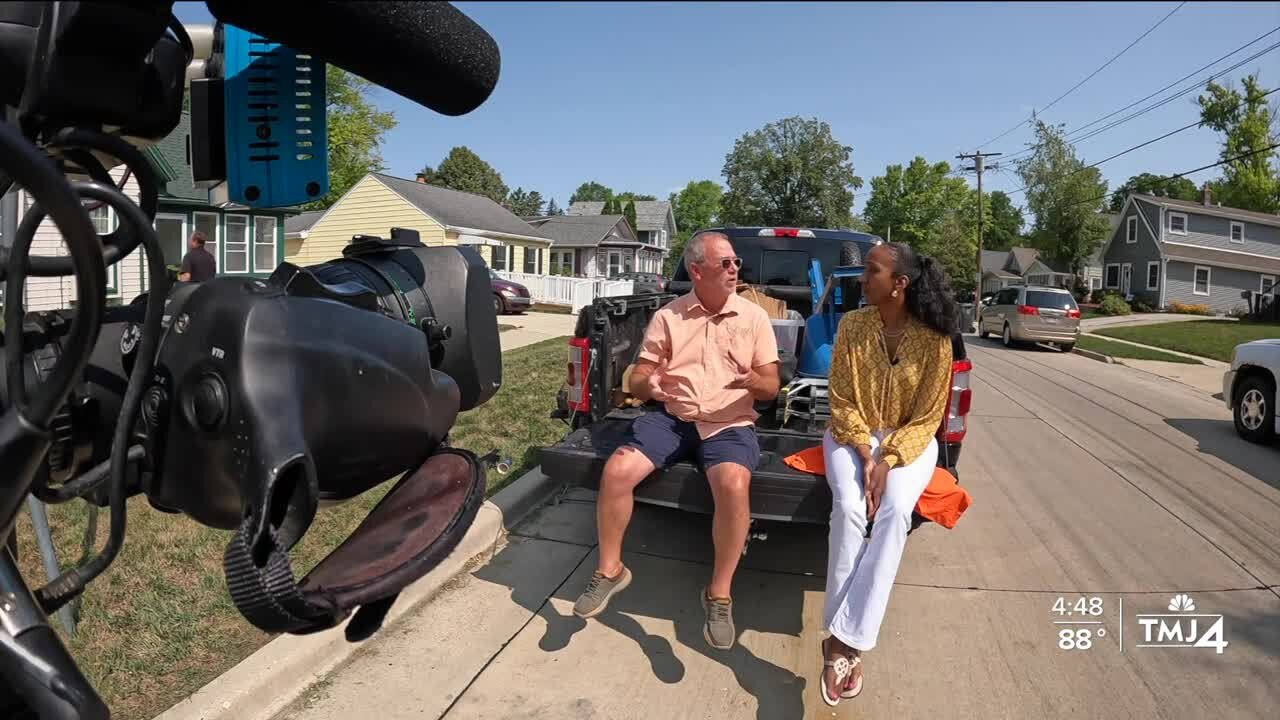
268 681
1095 356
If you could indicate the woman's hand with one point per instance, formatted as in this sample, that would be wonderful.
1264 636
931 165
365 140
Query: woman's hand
876 482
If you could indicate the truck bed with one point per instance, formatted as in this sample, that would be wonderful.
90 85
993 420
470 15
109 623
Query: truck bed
777 491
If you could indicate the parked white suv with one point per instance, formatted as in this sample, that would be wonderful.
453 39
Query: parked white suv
1250 389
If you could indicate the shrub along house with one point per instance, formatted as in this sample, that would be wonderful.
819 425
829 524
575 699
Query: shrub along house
1195 253
441 216
590 246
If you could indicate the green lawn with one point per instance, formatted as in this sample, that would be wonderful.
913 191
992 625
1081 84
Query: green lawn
159 624
1120 350
1207 338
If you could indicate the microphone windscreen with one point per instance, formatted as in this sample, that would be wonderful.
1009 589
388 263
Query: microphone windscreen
428 52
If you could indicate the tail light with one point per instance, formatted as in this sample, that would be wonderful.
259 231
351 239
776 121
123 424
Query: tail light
1073 314
958 403
785 232
578 394
1028 310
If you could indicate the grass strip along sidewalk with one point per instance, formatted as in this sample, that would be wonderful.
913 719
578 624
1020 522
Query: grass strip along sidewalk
1207 338
159 624
1130 352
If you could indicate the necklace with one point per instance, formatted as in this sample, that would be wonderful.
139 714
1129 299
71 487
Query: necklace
893 334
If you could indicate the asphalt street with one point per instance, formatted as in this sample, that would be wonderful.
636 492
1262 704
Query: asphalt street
1090 481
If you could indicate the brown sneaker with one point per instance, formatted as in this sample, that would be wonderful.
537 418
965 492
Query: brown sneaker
600 590
718 629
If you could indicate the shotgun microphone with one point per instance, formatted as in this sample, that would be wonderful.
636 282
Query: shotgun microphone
427 52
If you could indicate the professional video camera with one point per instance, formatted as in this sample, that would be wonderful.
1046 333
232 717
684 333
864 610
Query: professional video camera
243 403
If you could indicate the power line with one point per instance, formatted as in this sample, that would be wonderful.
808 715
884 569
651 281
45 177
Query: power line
1073 135
1241 156
1090 76
1140 145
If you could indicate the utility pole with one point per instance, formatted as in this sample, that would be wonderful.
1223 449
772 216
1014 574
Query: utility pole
978 165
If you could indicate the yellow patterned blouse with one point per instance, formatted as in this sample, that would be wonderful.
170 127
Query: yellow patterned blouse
869 393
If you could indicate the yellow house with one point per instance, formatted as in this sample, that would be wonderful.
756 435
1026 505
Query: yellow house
441 216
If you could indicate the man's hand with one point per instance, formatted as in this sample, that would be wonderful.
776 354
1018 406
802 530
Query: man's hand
875 488
763 382
652 382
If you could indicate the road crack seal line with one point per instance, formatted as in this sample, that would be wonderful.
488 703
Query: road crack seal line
1244 568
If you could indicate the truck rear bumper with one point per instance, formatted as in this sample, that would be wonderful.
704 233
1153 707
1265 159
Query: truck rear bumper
777 491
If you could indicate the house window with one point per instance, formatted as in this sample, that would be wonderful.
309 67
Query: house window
1237 232
1267 284
264 243
1131 230
530 261
615 263
1177 223
561 262
1153 275
104 223
1095 283
236 244
207 224
1201 281
1113 277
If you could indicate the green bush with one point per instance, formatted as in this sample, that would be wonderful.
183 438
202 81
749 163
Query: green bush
1114 305
1096 296
1142 307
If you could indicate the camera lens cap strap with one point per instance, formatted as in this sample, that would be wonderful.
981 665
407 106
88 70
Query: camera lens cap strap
268 595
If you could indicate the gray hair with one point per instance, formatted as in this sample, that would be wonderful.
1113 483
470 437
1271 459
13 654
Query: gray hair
696 250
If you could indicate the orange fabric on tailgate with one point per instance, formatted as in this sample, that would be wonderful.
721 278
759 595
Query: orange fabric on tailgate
943 502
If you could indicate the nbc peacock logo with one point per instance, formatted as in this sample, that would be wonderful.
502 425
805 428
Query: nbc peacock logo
1182 627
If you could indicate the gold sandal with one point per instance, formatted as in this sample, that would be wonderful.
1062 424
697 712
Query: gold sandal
843 667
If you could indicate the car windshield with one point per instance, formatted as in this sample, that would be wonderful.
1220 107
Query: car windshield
1045 299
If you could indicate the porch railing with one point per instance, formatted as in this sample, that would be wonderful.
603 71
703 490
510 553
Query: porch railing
577 293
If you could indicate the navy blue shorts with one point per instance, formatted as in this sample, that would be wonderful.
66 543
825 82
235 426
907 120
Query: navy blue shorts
667 440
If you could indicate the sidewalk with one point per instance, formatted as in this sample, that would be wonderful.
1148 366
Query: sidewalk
1089 324
1206 377
533 327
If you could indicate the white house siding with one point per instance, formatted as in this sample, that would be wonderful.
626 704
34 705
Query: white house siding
55 293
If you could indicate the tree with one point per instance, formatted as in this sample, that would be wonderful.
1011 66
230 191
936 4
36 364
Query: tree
629 212
463 170
1248 126
1065 197
1005 230
590 191
356 129
628 196
553 208
923 206
697 206
1176 188
524 203
790 172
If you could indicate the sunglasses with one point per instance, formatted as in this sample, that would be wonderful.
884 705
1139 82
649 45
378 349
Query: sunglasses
726 262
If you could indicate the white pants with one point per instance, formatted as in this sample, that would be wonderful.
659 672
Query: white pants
861 572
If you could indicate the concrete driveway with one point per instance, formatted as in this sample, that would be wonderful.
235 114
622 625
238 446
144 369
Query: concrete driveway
532 327
1090 480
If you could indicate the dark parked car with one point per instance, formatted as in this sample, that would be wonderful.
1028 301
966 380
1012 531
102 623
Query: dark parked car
508 297
645 282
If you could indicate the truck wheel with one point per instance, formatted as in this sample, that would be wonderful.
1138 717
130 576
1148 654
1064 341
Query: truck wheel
850 254
1255 409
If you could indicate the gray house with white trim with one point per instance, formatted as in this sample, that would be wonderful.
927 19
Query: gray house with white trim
1167 251
655 228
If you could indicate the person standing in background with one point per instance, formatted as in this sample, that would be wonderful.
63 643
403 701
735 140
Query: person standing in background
198 264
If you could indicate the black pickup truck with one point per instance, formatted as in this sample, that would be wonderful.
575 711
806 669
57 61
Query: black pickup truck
607 340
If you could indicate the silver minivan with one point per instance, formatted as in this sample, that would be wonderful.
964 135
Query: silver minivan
1030 313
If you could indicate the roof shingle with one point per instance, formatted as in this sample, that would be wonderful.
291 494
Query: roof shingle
585 230
458 209
650 214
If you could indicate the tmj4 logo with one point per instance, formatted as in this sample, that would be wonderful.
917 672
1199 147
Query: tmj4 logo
1182 627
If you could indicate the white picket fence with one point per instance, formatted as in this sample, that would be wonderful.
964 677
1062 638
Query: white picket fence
574 292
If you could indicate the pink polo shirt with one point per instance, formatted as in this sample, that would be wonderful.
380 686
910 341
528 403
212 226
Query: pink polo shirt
704 352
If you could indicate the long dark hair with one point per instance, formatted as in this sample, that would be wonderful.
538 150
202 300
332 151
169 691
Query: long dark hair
929 296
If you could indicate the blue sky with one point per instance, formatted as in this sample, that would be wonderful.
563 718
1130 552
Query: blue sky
647 96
